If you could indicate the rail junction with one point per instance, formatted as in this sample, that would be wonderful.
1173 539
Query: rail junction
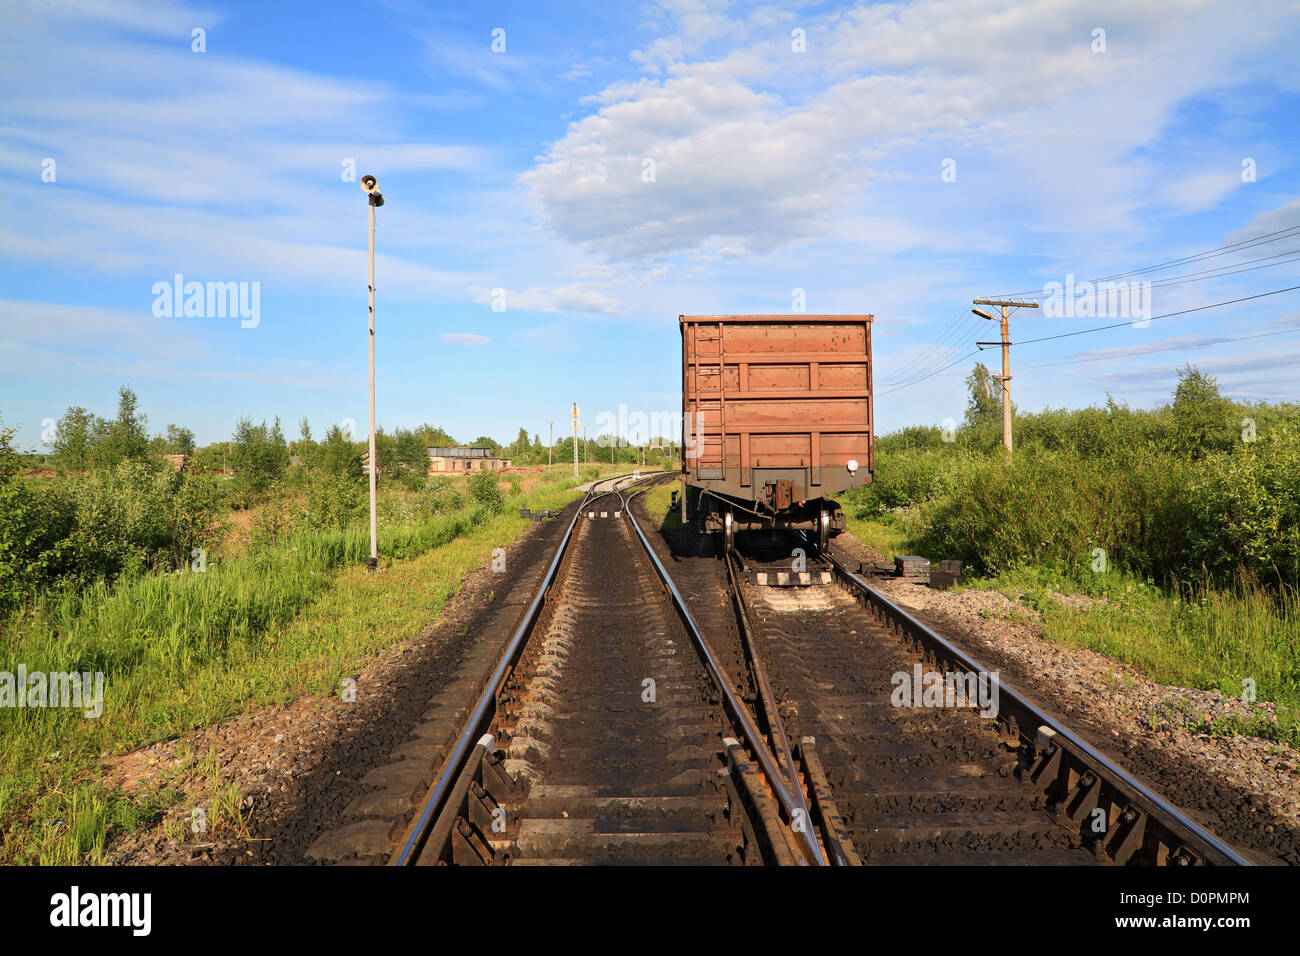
652 707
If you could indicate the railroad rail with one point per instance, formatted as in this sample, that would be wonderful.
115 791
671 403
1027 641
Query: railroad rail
510 802
1133 822
780 754
1105 809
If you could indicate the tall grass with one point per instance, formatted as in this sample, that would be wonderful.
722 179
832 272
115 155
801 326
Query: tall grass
183 650
1157 514
169 624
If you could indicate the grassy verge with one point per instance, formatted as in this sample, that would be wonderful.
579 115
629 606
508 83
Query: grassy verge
883 534
1244 643
1239 641
185 651
658 505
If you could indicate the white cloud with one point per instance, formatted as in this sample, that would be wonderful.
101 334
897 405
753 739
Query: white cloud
761 147
1202 190
464 338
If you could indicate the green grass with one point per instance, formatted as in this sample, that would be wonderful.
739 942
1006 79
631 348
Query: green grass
184 651
658 504
884 534
1204 638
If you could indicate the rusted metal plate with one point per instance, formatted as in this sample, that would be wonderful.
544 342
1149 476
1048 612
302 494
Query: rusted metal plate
771 399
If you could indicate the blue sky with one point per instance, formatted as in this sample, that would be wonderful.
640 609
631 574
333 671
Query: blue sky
794 146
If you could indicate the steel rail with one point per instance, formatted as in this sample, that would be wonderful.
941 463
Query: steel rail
791 798
416 834
776 728
1197 837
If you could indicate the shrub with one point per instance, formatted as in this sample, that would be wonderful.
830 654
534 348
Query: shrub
334 500
1244 511
133 516
485 489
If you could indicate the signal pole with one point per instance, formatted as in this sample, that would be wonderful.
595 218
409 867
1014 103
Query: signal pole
375 199
575 439
1005 377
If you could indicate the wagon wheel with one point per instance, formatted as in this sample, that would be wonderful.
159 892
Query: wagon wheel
728 533
823 529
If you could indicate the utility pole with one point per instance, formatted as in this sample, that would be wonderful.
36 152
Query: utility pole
375 198
1005 377
575 439
550 448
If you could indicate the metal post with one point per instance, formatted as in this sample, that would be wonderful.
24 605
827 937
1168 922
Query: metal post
374 461
373 198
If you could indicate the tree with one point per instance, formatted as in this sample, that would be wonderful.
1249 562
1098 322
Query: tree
409 449
1200 413
126 437
33 524
305 447
258 456
74 438
339 456
983 409
180 441
434 437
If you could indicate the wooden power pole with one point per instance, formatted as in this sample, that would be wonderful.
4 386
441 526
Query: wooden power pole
1005 377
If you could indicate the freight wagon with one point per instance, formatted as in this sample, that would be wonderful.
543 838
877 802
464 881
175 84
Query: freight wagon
776 419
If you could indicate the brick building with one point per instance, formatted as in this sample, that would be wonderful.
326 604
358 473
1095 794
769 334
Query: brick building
461 458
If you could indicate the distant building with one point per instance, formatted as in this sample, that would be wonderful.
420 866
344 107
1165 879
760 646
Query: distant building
176 461
463 458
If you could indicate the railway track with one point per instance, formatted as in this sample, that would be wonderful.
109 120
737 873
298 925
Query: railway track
605 735
695 717
912 785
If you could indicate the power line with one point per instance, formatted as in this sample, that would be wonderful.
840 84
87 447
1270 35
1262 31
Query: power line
930 375
1100 328
1219 272
1171 348
934 355
1259 240
1199 308
954 324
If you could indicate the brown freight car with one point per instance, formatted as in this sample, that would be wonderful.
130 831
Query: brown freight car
776 418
